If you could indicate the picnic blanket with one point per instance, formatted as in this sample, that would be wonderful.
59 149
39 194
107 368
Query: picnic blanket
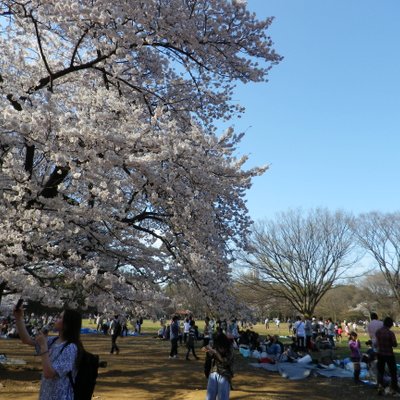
268 367
335 373
4 360
297 371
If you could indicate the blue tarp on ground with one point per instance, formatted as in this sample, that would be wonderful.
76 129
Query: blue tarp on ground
296 371
88 330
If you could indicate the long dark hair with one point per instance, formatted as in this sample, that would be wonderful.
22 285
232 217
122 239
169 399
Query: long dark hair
72 324
71 333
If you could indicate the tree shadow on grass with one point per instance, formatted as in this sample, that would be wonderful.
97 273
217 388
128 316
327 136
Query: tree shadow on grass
143 371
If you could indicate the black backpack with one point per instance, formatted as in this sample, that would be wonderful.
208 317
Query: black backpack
86 377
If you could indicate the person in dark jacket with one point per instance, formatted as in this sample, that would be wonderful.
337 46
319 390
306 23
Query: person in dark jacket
173 336
115 331
191 340
221 373
385 341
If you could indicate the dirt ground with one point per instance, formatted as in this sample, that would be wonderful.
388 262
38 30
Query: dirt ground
143 371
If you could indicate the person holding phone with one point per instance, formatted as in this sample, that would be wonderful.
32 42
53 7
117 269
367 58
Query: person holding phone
59 354
221 358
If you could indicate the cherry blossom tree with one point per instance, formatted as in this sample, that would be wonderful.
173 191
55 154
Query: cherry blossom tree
112 175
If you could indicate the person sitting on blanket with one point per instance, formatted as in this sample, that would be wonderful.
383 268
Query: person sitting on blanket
254 340
295 347
161 332
273 348
322 342
280 343
370 358
289 354
370 355
249 339
244 339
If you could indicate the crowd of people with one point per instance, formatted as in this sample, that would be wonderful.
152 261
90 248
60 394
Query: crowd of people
104 323
8 328
307 335
319 335
34 325
218 340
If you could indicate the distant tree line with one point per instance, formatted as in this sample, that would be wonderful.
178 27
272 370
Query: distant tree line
296 259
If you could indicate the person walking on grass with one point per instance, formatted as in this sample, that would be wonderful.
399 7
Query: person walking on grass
186 328
207 332
174 336
115 331
191 340
278 324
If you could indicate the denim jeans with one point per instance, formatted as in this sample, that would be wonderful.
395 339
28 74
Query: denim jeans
218 387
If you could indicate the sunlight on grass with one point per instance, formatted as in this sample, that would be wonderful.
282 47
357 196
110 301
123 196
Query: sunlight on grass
148 325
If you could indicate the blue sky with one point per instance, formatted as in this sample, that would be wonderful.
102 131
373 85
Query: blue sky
328 120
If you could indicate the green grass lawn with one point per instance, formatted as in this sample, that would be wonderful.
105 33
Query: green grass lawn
148 326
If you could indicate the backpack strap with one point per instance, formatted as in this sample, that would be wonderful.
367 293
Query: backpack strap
62 349
65 345
69 374
54 339
71 381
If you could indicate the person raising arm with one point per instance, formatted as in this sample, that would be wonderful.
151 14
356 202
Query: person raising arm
59 354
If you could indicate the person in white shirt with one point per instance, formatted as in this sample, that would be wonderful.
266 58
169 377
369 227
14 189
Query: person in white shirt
330 332
372 327
186 328
300 333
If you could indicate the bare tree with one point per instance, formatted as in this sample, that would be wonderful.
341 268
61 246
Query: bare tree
379 235
257 294
338 302
378 287
300 257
